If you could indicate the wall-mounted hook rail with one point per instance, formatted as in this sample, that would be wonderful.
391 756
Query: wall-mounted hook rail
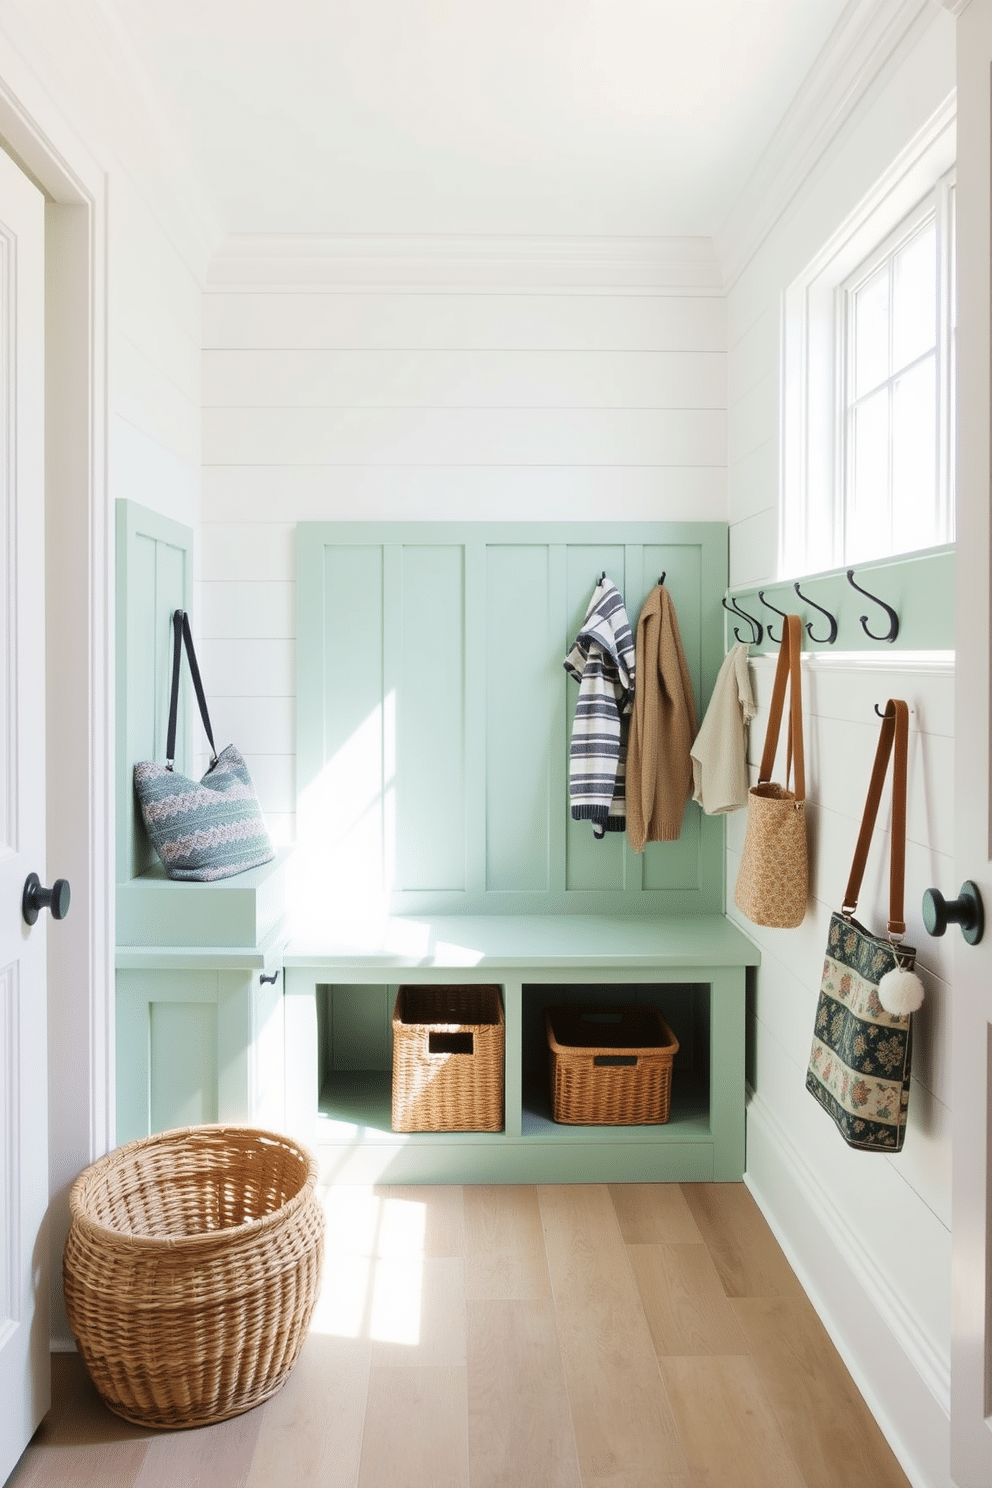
757 629
893 630
771 635
826 640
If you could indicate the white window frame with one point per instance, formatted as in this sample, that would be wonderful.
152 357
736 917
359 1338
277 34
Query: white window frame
813 363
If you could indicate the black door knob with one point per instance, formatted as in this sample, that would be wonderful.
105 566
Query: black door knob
966 910
35 898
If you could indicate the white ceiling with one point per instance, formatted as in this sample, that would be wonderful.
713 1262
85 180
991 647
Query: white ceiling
551 117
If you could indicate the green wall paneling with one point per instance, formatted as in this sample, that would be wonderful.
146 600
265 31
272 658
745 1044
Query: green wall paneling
154 574
918 586
434 713
199 1036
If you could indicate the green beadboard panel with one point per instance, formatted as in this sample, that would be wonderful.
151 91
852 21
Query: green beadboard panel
349 765
523 681
428 763
432 703
183 1063
154 578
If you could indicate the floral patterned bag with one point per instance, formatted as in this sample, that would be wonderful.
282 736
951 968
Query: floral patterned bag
859 1065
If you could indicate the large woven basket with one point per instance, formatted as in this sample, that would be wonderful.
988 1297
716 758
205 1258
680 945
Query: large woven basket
448 1059
191 1269
610 1066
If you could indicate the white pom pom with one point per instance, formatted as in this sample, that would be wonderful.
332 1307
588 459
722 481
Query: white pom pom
900 992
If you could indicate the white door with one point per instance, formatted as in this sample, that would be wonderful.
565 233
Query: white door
24 1330
971 998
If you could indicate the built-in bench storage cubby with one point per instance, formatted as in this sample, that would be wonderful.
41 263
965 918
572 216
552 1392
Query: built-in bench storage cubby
339 1004
685 1009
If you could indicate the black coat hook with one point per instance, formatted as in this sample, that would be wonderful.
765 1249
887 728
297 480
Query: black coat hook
771 636
602 577
827 640
893 630
757 628
886 714
662 579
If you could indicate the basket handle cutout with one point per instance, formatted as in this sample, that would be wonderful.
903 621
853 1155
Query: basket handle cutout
614 1059
451 1043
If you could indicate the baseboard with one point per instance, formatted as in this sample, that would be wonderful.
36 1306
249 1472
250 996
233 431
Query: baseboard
903 1378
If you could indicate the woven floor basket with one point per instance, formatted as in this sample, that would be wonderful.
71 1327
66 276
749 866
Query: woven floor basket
610 1066
448 1059
191 1269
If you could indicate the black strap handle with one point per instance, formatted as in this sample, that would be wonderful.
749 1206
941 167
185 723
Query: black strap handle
181 633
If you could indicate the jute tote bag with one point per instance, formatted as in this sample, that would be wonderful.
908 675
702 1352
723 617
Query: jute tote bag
773 880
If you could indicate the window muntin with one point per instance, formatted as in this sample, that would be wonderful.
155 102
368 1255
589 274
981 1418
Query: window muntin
894 495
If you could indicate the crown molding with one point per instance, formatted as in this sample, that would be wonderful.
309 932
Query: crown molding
956 7
451 262
868 36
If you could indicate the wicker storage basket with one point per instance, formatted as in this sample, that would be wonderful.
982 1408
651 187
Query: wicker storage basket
191 1269
610 1066
448 1059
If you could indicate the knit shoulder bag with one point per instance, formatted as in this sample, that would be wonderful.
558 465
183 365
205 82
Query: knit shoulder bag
772 883
859 1064
201 829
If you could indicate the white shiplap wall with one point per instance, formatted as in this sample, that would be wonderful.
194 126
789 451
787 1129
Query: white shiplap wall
161 231
75 78
488 397
869 1234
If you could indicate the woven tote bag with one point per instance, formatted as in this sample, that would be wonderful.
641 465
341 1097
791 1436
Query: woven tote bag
201 829
859 1063
772 884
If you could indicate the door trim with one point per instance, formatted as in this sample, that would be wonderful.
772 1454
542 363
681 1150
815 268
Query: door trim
80 786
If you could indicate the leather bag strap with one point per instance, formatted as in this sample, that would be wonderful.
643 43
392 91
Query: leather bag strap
787 671
181 633
893 740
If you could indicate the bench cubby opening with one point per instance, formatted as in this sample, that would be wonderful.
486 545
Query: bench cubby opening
686 1009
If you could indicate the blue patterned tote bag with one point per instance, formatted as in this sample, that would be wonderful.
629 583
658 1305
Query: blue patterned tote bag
201 829
859 1064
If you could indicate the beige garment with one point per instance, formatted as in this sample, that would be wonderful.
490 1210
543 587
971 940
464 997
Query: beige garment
663 726
719 755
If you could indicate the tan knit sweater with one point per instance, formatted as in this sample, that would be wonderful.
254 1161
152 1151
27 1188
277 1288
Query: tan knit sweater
663 726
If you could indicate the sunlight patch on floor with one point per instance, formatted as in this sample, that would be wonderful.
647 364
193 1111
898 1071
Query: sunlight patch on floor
373 1275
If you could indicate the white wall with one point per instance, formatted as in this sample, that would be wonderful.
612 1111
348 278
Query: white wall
869 1234
160 233
63 69
484 394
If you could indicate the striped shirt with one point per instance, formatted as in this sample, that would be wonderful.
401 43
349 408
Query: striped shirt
602 659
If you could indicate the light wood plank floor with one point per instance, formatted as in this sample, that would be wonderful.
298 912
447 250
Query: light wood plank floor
582 1336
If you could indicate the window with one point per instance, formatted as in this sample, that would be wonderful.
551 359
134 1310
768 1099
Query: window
897 326
868 394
